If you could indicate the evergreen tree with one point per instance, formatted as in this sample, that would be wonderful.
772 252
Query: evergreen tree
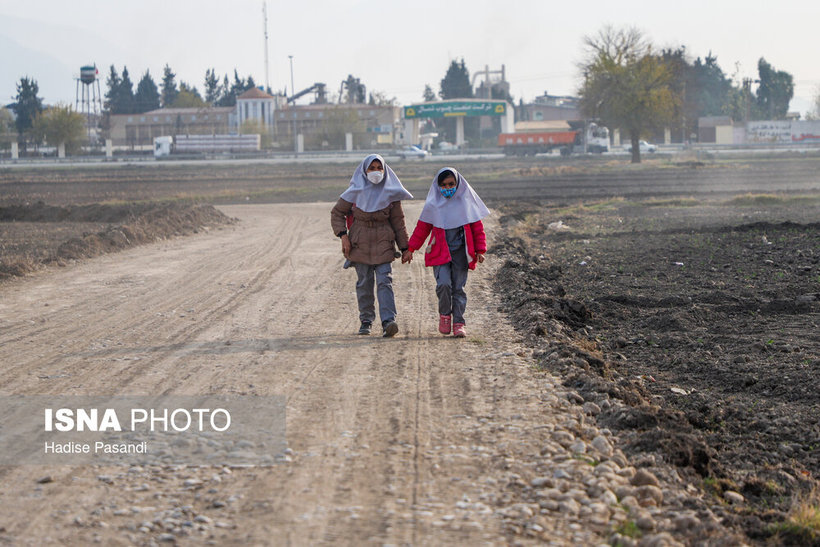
125 96
169 87
147 96
120 95
112 95
225 97
27 105
500 93
456 83
684 119
238 87
711 87
429 95
231 91
211 87
775 92
703 88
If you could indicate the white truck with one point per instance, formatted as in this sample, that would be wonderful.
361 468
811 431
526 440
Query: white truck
163 146
597 138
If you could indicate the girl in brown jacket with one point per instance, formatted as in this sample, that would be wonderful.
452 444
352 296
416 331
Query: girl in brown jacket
369 220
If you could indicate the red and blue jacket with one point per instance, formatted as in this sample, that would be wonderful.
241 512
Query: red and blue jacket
438 253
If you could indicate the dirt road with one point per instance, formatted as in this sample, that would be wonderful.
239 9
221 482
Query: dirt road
404 440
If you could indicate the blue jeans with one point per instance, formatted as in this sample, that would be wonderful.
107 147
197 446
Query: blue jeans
382 274
450 281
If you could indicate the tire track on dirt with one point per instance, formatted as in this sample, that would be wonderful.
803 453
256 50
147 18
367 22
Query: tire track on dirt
141 325
421 304
388 438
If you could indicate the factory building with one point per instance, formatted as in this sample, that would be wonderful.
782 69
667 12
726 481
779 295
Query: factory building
322 126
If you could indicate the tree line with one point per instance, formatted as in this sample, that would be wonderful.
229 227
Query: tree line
59 124
629 85
33 123
626 83
122 99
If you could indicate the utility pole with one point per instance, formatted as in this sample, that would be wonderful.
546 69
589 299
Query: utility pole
265 19
747 99
683 116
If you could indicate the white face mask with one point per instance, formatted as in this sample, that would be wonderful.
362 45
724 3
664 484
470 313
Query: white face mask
375 176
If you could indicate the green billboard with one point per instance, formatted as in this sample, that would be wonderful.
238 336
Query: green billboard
446 109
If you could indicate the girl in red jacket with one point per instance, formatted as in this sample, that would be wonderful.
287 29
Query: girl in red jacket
452 213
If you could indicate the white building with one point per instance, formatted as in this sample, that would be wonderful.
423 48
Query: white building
255 104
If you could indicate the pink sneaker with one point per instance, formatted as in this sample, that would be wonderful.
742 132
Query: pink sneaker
458 330
444 324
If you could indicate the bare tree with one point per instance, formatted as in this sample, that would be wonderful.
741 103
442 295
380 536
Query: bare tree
625 85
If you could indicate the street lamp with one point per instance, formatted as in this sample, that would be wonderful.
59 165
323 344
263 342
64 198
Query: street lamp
292 89
293 114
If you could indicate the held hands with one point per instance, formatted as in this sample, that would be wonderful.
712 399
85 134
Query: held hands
407 257
346 246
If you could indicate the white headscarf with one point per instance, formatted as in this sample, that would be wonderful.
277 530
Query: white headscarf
464 207
371 197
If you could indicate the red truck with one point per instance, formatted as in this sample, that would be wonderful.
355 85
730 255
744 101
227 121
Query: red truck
523 144
531 143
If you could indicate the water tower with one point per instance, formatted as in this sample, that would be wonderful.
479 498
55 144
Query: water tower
89 99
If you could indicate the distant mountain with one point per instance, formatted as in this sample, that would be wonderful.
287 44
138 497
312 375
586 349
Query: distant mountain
53 77
52 55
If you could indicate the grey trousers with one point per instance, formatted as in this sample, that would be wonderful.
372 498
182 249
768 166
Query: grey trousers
450 281
382 275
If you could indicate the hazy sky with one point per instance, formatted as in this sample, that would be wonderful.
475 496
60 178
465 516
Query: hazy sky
394 47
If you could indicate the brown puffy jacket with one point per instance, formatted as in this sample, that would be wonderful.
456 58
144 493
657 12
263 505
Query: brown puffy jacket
373 236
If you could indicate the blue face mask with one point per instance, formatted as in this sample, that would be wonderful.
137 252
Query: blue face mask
447 192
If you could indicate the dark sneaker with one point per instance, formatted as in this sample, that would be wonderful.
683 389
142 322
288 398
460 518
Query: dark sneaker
390 329
365 328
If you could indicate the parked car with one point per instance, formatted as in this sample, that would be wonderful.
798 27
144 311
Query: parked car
643 146
412 151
